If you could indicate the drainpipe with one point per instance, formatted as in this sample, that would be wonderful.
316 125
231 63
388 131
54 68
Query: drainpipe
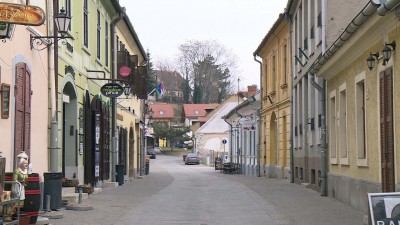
230 140
114 68
259 119
323 178
289 19
52 59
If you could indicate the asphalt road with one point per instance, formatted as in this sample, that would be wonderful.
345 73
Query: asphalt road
174 193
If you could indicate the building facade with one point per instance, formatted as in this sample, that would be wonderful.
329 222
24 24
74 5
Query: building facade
362 114
24 73
275 113
314 25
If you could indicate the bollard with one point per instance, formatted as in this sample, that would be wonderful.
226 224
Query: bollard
48 198
80 195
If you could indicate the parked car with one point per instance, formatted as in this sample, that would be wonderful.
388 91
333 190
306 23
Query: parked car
151 153
192 158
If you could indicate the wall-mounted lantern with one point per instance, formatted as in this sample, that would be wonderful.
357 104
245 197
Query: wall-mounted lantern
62 22
387 50
371 60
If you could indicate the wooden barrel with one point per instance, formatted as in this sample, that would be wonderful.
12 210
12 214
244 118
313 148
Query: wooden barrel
32 195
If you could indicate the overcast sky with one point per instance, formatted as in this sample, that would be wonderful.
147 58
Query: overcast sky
238 25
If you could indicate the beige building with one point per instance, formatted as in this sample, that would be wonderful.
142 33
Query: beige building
24 74
275 112
362 114
130 109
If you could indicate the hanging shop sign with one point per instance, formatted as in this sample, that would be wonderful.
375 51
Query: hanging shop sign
124 71
112 90
21 14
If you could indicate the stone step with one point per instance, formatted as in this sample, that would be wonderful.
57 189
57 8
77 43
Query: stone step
74 197
67 190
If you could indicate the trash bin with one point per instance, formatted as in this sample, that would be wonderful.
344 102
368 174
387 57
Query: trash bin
120 174
184 157
53 187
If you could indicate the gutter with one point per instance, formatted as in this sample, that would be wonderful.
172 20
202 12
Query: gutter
386 7
361 17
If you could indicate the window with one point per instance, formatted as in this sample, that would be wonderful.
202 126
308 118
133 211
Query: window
332 125
98 34
285 63
273 78
343 125
106 44
85 23
360 120
161 112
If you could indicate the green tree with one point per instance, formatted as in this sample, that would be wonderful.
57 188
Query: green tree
172 134
151 75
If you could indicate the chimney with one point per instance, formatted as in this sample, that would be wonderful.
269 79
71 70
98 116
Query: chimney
251 90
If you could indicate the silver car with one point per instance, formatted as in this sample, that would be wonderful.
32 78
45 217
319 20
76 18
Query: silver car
192 158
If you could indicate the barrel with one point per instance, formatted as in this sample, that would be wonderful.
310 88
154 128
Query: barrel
32 195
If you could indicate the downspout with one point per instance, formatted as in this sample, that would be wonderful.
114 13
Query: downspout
259 120
291 103
230 139
113 23
323 178
52 59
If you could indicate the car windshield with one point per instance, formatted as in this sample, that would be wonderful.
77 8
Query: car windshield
192 155
150 150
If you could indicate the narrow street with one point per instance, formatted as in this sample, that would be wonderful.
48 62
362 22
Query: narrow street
174 193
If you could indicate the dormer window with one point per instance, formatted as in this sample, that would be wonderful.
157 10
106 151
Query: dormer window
161 112
196 112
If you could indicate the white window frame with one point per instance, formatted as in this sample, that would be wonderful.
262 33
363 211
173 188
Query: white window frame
360 78
333 128
342 116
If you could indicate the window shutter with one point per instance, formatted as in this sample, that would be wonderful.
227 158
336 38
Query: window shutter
22 140
386 124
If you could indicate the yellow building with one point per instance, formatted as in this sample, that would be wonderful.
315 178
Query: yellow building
362 114
275 112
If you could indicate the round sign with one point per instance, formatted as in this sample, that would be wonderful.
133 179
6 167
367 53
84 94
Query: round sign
224 141
124 71
112 90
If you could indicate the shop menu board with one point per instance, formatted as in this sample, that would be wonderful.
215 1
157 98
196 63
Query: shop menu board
384 208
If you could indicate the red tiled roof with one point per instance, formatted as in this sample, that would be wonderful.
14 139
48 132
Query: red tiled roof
197 110
162 110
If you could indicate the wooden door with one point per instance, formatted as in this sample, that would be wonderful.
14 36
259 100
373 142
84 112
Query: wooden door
386 125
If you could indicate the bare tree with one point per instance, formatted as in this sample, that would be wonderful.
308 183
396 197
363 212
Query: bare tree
209 69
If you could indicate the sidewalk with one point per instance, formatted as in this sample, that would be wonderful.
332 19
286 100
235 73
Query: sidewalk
305 206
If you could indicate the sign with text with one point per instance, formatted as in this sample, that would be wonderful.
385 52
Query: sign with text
112 90
21 14
384 208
